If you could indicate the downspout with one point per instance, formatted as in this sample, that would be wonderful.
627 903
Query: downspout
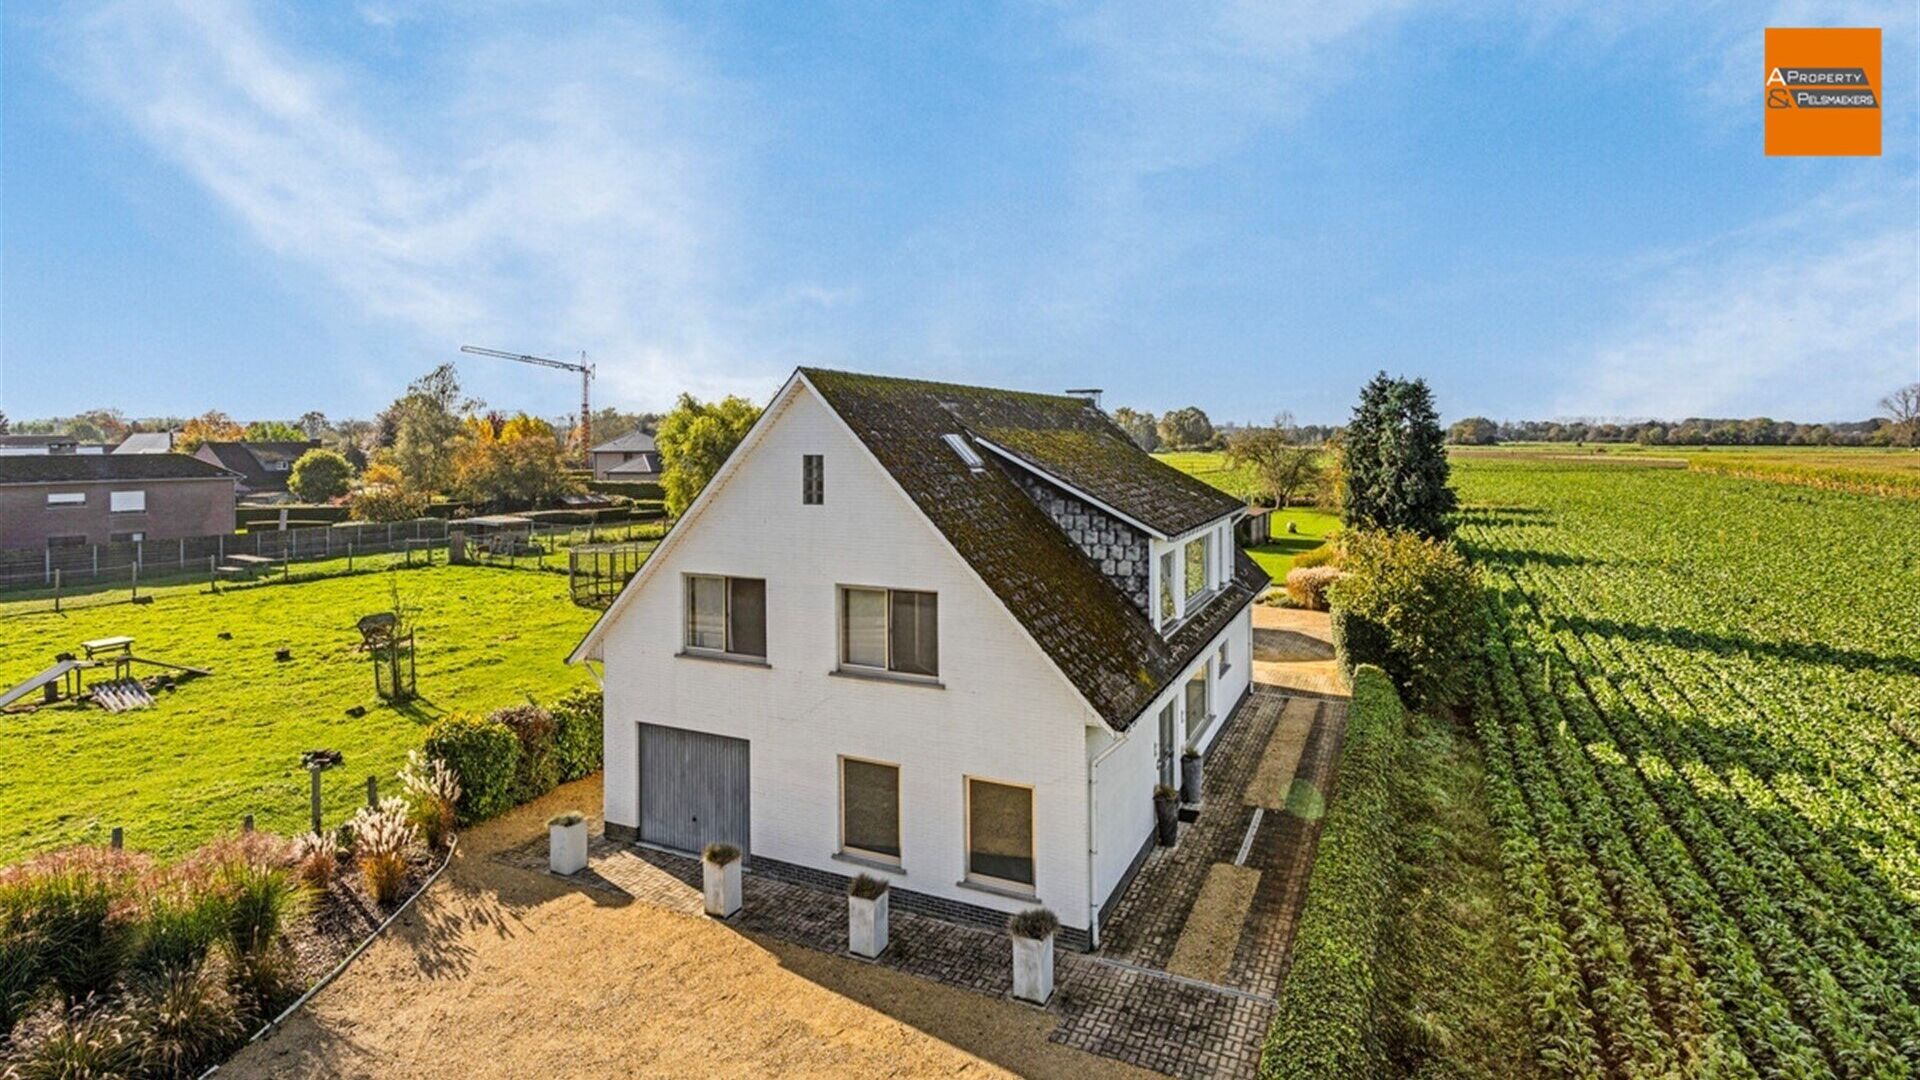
1093 802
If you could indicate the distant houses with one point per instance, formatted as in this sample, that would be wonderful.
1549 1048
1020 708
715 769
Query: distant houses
147 442
74 499
632 457
46 444
263 467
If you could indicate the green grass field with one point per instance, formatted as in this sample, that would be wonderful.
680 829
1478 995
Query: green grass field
1862 470
1211 466
1276 557
228 744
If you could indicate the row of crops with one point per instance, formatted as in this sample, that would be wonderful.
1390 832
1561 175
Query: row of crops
1699 700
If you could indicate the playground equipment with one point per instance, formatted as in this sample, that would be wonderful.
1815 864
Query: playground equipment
384 639
118 693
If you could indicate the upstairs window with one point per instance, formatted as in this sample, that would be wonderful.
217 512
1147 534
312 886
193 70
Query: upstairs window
1199 565
1166 588
813 479
890 630
127 502
66 498
727 615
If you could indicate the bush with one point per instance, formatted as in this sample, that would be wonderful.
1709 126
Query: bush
382 835
1307 586
1423 597
316 856
1357 640
1324 1023
72 901
486 756
1327 554
867 887
720 854
260 901
538 770
578 734
85 1043
433 791
187 1021
1035 923
181 919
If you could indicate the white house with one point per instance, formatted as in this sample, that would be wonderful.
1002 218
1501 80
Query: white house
948 635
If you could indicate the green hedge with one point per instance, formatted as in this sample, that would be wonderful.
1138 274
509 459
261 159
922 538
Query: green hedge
1325 1023
632 489
578 737
299 515
485 754
1357 640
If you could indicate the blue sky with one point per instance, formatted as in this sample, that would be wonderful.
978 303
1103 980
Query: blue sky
1546 208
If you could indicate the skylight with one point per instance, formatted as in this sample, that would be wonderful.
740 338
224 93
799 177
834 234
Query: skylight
967 453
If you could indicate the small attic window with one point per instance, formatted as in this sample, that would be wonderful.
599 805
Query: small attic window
967 453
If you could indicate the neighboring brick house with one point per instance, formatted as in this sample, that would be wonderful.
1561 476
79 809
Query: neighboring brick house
632 456
988 628
55 500
263 467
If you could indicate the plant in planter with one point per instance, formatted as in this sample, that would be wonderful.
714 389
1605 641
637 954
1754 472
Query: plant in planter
867 916
1033 931
1191 767
1166 814
567 842
720 879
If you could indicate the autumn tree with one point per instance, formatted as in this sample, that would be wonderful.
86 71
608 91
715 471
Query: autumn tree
694 440
1282 462
513 460
274 431
1474 431
1903 408
211 426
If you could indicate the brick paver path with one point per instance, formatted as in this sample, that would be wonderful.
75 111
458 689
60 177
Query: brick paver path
1119 1002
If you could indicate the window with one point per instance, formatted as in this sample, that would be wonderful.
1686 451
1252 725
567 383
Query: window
1166 588
1198 719
813 470
727 615
1198 565
1000 833
66 498
1166 745
280 466
127 537
1223 658
66 541
890 630
870 809
965 452
127 502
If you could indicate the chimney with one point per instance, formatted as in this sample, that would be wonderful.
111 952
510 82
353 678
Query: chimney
1091 395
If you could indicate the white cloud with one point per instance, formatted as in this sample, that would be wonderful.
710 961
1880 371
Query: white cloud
1824 301
560 193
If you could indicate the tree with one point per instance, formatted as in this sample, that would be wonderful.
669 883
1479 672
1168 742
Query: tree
510 460
4 427
320 475
313 424
1474 431
1282 462
1395 460
274 431
426 428
1184 428
1903 408
694 440
1139 426
211 426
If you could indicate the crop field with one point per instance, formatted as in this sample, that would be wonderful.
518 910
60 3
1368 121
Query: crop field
1700 712
219 747
1865 471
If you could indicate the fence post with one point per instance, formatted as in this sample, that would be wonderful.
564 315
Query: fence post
46 558
96 559
183 553
373 792
349 556
246 823
315 796
213 575
134 572
56 592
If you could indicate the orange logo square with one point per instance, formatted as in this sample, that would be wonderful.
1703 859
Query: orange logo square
1823 92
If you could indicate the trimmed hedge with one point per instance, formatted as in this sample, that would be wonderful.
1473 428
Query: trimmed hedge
578 737
632 489
538 770
1324 1025
485 754
300 515
1357 640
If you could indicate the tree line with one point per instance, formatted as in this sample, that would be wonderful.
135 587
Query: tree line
1899 427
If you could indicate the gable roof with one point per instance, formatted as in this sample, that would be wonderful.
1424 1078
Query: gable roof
82 468
250 460
146 442
1105 645
632 442
643 464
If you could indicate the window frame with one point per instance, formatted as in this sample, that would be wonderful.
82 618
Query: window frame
113 497
972 876
1202 676
899 814
132 536
887 670
64 499
727 651
67 540
813 479
1191 593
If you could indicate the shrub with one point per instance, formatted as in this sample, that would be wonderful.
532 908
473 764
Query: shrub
538 769
86 1042
1424 598
570 818
1307 586
382 836
720 854
578 735
1323 1025
867 887
315 858
187 1021
73 901
180 920
1327 554
484 754
1036 923
22 960
432 792
260 901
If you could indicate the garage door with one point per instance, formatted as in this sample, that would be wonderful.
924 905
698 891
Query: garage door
693 789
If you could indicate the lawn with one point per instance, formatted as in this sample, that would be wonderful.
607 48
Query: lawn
1276 556
223 746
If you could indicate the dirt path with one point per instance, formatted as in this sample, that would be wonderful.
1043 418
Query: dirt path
503 973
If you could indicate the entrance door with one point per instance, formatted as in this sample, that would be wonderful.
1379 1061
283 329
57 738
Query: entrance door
693 789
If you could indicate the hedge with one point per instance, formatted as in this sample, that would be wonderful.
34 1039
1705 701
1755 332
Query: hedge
485 754
632 489
1357 640
1324 1025
298 515
578 737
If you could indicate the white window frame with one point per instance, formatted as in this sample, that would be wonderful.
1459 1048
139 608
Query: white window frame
888 670
813 479
1033 837
66 498
726 618
1224 665
899 813
114 499
1188 733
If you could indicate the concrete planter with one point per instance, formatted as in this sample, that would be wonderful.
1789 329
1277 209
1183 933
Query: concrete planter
1191 769
720 882
867 925
1166 822
1033 969
567 847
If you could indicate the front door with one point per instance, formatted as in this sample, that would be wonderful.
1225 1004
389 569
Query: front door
693 789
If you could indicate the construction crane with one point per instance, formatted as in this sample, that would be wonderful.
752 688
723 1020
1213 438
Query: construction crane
586 384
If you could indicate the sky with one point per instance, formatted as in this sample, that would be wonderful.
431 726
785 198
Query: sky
1546 208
